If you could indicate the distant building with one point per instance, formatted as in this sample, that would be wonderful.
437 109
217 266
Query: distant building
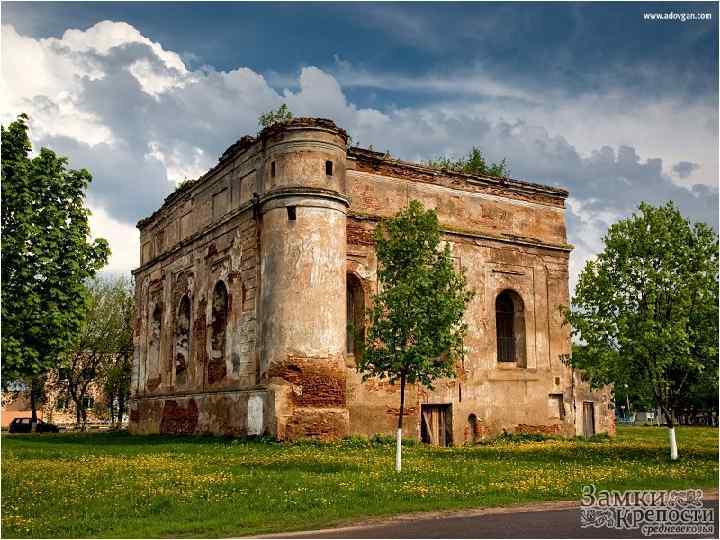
57 408
250 277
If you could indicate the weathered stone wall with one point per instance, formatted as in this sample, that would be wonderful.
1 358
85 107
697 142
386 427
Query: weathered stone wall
200 247
303 252
241 295
504 240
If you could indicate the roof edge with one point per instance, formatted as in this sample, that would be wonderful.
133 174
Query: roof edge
502 181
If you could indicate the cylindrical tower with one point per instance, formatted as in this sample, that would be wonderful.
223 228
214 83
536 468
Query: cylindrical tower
303 209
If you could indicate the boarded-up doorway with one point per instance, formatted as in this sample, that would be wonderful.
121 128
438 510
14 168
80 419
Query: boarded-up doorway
588 419
436 425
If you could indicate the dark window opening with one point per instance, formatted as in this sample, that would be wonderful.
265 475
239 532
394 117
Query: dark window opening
355 302
329 168
510 326
272 169
291 213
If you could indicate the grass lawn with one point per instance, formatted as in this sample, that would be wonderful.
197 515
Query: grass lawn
112 484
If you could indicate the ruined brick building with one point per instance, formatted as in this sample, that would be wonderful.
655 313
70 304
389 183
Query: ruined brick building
250 276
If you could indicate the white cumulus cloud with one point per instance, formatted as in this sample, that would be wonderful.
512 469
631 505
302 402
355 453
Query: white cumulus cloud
130 111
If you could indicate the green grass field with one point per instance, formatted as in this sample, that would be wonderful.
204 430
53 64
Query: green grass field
116 485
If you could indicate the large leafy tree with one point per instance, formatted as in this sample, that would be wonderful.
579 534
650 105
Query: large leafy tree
101 350
416 318
646 310
46 255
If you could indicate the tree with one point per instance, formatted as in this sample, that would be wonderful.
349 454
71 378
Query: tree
117 370
102 345
46 255
116 385
278 116
416 330
647 309
473 163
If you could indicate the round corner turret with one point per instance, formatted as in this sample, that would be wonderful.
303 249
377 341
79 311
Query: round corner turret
304 153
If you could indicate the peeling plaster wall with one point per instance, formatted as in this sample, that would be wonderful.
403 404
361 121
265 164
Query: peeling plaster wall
280 222
513 241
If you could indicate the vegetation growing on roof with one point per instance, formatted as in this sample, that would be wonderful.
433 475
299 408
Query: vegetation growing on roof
473 163
278 116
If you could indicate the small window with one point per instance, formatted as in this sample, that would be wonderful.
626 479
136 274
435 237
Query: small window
61 405
291 213
272 169
87 402
329 168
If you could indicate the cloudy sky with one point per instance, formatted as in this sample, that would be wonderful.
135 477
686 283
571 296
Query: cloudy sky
592 97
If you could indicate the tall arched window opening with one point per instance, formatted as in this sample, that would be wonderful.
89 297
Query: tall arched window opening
355 314
182 342
153 366
218 330
510 325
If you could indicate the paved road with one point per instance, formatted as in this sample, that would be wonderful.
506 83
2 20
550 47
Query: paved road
543 521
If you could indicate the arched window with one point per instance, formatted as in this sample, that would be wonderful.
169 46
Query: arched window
355 314
154 340
473 428
216 365
182 342
510 325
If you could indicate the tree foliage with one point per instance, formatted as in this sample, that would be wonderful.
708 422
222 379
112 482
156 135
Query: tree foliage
473 163
277 116
416 331
416 318
646 310
46 254
102 349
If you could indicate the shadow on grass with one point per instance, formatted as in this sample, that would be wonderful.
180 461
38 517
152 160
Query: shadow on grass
124 439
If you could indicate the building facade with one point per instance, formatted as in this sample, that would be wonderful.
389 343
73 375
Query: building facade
55 406
250 276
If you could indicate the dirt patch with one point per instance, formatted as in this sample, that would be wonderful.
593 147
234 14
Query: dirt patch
552 429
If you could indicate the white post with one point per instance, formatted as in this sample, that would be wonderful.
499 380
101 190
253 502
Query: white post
398 450
673 444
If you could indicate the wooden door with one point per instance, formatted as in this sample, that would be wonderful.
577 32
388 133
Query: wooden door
436 425
588 419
